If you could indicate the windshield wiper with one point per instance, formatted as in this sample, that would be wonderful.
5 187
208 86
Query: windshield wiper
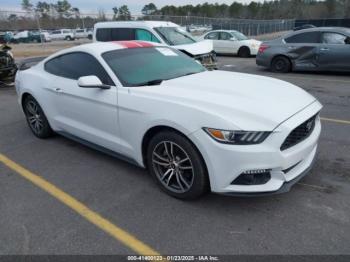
154 82
188 37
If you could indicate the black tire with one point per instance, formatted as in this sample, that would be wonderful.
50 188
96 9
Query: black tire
36 118
244 52
68 38
183 183
281 64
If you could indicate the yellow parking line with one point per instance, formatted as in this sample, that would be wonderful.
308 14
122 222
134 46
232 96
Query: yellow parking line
339 121
119 234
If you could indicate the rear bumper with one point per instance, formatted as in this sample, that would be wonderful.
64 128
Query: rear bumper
263 60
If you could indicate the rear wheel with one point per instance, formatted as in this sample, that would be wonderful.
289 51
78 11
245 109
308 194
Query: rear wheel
177 166
68 38
36 118
244 52
281 64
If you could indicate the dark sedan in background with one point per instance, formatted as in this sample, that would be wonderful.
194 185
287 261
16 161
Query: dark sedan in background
314 49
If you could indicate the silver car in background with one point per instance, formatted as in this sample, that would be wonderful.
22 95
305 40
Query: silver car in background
315 49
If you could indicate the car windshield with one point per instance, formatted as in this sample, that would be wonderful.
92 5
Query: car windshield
150 66
175 35
239 36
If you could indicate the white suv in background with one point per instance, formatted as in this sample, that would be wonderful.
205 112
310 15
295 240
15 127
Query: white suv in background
166 33
62 34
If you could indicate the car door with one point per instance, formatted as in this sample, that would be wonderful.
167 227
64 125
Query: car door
79 33
88 113
227 43
55 34
334 53
214 36
303 48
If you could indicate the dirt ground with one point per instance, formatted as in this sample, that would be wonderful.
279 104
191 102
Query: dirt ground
45 49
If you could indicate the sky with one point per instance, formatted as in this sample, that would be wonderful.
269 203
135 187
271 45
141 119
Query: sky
135 6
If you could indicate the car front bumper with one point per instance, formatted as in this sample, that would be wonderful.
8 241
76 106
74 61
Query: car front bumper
227 162
209 61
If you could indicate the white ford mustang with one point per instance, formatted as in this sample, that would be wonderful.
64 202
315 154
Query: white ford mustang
193 129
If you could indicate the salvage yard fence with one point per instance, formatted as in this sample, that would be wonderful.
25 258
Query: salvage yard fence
16 21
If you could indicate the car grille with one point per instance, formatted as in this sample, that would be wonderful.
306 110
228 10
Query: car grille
300 133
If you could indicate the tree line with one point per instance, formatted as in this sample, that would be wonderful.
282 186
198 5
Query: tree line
277 9
60 8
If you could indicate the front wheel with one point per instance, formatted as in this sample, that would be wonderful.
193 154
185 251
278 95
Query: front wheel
177 166
36 118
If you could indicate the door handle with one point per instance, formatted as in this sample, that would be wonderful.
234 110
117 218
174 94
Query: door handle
58 90
324 49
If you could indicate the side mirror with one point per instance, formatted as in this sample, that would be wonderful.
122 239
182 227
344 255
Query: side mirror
91 82
233 39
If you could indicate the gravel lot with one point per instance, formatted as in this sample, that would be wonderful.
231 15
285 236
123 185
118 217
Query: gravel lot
314 218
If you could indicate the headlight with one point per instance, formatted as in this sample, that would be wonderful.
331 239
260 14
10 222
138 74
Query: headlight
237 137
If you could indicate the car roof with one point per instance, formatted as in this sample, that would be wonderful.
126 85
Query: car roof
222 30
343 30
99 48
133 24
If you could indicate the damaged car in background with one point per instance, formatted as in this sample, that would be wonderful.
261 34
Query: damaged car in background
8 66
315 49
166 33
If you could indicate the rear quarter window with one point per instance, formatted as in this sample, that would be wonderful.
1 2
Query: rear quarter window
306 38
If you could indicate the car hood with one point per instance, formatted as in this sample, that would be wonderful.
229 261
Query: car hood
198 48
247 102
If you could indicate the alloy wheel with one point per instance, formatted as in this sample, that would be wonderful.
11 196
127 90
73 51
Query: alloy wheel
173 167
34 117
280 65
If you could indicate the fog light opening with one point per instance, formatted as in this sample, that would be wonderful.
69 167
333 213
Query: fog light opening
253 177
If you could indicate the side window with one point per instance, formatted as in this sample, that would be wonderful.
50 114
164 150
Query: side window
103 34
115 34
144 35
225 36
122 34
333 39
212 36
75 65
307 38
